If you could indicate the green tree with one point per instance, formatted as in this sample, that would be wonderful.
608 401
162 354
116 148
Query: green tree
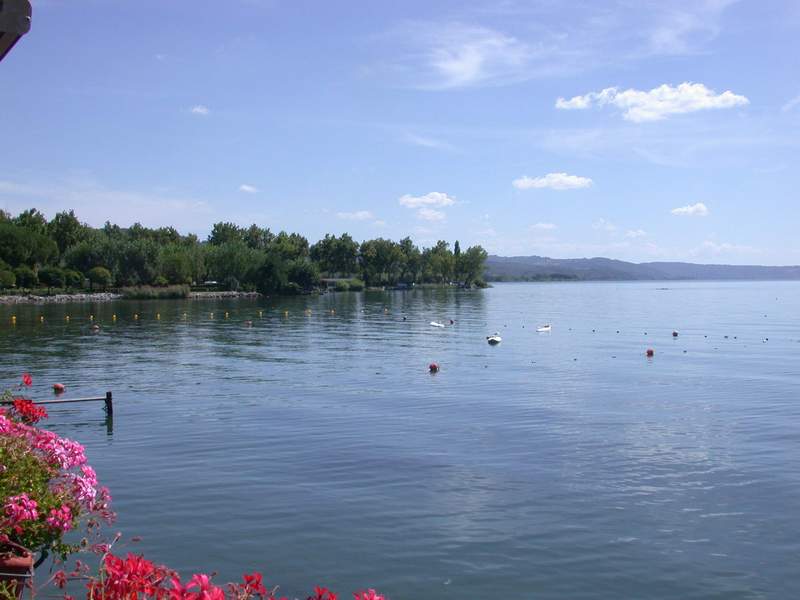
233 261
99 276
177 263
257 238
225 233
289 246
32 220
271 277
26 277
412 261
473 263
73 279
381 261
52 277
303 272
66 231
438 263
7 279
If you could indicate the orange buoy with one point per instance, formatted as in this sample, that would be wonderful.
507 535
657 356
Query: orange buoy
650 353
433 367
59 388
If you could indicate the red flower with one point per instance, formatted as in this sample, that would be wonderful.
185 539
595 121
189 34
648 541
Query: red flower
27 379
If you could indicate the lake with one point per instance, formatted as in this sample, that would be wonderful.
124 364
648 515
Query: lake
317 447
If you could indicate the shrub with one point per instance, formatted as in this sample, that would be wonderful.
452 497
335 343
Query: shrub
73 278
7 279
342 286
52 277
26 278
356 285
160 281
99 276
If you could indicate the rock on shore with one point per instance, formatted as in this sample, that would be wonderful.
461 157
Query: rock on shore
59 298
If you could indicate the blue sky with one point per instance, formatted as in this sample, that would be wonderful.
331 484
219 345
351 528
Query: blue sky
631 129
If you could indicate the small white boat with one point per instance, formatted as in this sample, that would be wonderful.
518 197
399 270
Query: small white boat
494 339
436 324
544 328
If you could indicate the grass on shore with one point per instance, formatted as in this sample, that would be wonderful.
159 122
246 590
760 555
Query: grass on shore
148 292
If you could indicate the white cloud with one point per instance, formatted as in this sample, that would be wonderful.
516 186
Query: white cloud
635 233
791 104
430 199
555 181
426 142
430 214
359 215
200 110
603 225
692 210
657 104
543 227
248 189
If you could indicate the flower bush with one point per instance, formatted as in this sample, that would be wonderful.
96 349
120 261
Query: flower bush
46 487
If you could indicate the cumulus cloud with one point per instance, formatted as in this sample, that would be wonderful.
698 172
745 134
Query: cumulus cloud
543 227
438 199
554 181
430 214
359 215
692 210
201 110
635 233
657 104
248 189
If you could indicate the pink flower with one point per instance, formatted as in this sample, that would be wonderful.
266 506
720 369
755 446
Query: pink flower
21 508
368 595
60 518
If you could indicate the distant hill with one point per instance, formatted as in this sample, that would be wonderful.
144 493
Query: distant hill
540 268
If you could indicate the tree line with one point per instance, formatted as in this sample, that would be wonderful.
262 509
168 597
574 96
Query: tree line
65 253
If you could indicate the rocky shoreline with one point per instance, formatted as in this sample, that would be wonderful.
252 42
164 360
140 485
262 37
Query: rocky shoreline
108 297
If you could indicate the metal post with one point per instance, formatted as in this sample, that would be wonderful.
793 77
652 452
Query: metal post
109 404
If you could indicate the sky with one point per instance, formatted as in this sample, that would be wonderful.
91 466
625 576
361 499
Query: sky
632 129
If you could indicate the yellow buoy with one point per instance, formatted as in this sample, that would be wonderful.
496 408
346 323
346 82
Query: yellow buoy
226 314
41 319
158 315
135 316
184 316
260 313
91 317
286 313
211 315
114 317
66 318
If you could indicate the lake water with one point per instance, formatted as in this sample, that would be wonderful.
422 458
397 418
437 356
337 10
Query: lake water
318 448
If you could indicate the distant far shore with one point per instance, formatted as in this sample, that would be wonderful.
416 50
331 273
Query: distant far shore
109 296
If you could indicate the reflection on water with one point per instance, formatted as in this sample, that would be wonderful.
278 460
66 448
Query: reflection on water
315 445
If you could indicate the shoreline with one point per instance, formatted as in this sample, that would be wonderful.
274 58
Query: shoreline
110 297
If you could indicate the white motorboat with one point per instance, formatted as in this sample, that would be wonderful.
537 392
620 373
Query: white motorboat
544 328
494 339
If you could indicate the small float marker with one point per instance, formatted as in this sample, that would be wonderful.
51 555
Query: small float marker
114 317
211 316
91 317
650 353
66 318
433 367
674 334
158 316
226 314
135 316
59 388
41 319
13 319
286 313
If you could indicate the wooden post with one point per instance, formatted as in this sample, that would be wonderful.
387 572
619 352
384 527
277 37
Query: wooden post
109 404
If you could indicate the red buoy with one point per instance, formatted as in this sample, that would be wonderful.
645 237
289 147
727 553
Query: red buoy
433 367
650 352
59 388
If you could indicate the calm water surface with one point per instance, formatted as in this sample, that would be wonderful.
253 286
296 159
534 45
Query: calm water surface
563 465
